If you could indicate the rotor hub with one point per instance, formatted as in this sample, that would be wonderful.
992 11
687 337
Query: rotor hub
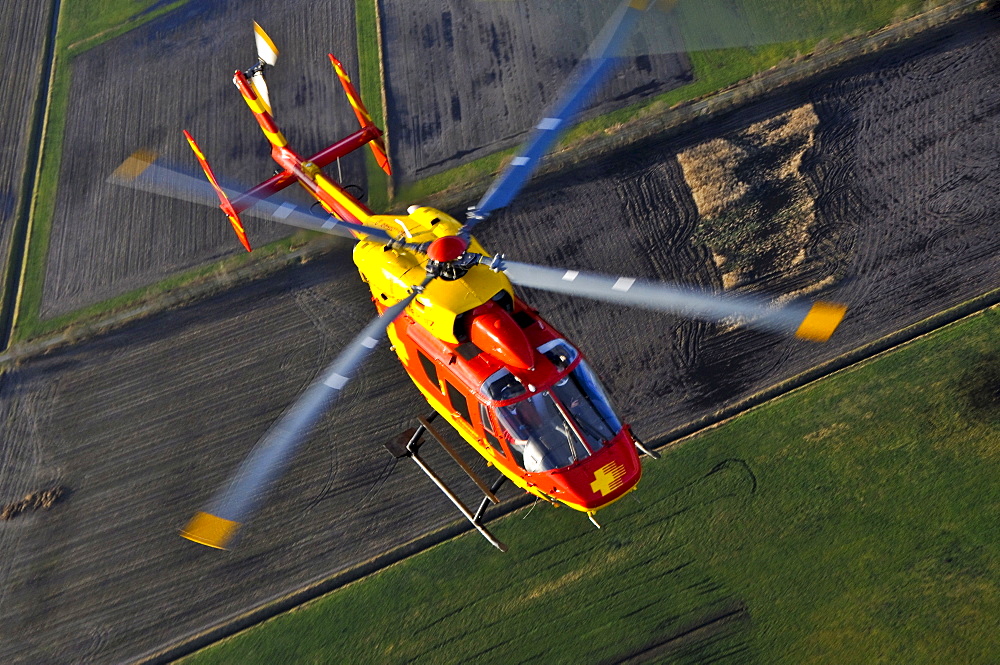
447 249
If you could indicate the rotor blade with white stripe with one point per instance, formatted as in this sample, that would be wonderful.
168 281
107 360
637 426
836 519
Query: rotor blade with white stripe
814 321
143 173
589 74
217 525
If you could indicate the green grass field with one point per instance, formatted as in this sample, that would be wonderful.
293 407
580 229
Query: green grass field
851 521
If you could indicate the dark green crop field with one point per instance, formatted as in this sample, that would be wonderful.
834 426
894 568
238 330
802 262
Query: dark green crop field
852 521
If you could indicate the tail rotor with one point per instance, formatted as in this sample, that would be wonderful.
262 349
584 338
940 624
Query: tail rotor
267 54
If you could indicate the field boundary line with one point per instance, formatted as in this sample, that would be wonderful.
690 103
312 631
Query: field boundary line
199 289
854 358
314 590
12 281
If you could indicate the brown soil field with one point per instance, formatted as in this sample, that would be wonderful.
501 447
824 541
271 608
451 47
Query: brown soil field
464 79
25 26
140 426
143 88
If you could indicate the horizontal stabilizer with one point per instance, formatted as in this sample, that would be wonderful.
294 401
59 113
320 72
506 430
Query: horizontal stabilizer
364 119
226 205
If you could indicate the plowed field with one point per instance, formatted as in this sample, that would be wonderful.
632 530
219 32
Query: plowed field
141 90
465 79
143 424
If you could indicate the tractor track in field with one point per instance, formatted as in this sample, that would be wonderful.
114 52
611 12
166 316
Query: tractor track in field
143 423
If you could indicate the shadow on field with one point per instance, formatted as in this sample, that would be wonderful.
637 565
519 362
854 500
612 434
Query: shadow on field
706 640
979 387
697 619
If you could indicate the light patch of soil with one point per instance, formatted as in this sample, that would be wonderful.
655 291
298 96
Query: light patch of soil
709 169
825 432
753 200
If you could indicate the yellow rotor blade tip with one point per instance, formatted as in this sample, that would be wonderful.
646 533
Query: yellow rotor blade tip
821 320
207 529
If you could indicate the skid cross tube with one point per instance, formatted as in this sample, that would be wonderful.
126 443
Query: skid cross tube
409 449
425 423
486 499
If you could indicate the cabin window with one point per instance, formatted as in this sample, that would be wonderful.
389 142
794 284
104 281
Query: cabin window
488 430
502 385
559 353
429 369
540 433
458 401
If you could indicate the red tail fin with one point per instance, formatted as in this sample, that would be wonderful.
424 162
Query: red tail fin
377 144
227 206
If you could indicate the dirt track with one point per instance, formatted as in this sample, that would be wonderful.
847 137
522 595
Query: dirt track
143 424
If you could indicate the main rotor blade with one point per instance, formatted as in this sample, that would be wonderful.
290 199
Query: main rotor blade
229 508
142 172
812 321
589 74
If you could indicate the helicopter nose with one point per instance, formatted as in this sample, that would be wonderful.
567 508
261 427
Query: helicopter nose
606 476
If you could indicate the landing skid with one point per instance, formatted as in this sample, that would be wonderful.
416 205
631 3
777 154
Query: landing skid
408 443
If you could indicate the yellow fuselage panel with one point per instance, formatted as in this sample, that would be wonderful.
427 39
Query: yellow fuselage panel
390 274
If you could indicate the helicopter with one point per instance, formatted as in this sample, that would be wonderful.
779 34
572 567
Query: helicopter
512 385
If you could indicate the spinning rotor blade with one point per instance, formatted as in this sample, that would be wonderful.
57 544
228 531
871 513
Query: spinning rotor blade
141 172
230 507
589 74
812 321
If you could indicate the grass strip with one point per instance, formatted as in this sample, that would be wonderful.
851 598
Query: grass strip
370 74
850 521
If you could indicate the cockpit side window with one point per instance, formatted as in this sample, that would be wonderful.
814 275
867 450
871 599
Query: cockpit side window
491 438
559 353
502 385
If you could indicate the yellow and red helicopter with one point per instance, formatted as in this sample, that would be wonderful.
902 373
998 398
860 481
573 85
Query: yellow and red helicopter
510 384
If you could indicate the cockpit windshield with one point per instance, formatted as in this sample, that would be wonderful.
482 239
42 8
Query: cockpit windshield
557 427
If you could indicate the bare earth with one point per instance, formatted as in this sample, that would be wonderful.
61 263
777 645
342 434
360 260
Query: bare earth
140 426
464 79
